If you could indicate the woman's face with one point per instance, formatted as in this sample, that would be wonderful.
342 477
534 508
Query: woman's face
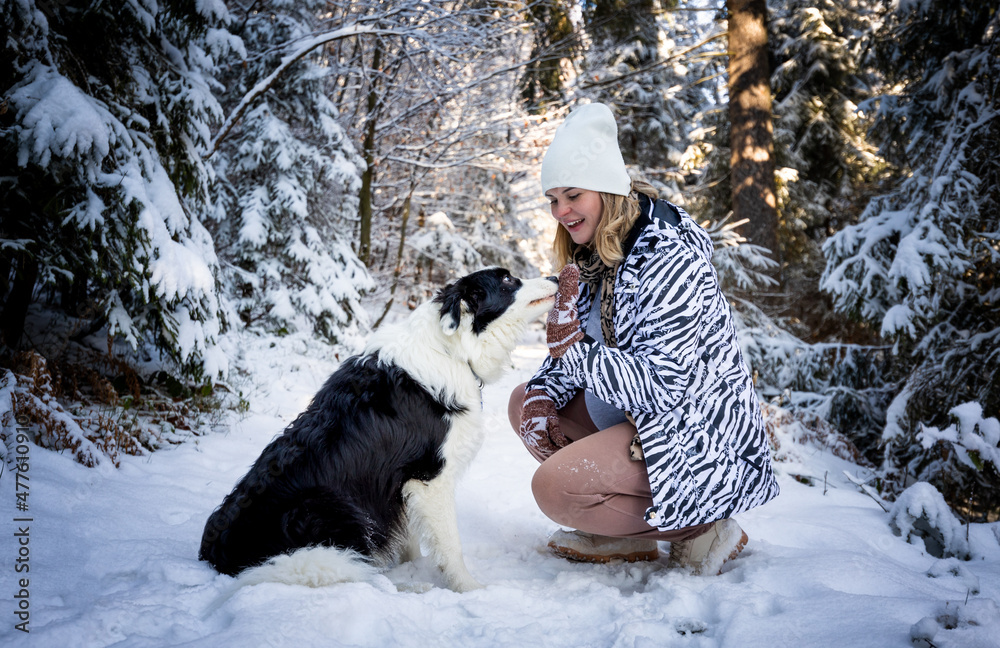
578 210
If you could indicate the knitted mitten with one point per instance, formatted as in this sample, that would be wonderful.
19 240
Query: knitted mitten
563 328
540 423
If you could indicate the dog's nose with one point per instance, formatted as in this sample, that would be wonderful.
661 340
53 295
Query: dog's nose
553 278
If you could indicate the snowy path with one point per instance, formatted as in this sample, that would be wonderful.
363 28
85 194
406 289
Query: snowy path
113 562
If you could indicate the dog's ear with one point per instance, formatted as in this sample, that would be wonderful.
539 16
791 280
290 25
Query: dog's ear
455 299
450 299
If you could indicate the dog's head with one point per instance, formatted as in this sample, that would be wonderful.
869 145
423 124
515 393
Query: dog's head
485 315
484 297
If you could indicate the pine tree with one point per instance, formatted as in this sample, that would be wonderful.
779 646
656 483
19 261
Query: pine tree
801 350
821 53
922 261
106 117
289 178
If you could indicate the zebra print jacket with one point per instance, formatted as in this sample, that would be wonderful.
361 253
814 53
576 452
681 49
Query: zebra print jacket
678 371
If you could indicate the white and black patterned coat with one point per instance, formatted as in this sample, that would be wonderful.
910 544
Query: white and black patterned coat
678 371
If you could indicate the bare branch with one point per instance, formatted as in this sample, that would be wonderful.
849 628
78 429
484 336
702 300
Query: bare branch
287 61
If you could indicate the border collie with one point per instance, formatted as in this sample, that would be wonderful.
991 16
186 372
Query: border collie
368 470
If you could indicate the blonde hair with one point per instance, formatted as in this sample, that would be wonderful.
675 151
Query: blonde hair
618 215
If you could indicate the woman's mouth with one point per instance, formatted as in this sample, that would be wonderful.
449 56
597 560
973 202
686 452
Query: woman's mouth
572 224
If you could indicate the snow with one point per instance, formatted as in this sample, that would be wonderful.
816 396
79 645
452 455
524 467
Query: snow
971 432
212 9
119 321
898 318
59 119
920 514
178 268
441 241
113 557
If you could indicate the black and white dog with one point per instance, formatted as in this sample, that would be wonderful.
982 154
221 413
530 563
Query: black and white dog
369 469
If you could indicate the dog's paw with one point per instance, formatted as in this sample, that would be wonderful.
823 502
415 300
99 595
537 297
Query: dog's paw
635 449
465 585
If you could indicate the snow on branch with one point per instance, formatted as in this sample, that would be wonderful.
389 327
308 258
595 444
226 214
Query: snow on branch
920 513
301 49
974 436
430 22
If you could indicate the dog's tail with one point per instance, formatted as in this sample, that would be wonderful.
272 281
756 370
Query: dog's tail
310 566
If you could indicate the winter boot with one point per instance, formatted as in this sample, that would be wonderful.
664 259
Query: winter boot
588 547
705 554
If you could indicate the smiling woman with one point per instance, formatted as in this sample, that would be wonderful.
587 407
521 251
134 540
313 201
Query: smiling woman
644 415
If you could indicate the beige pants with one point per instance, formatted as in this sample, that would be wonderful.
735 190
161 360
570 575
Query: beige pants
592 484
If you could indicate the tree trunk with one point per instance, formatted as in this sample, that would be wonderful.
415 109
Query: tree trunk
398 271
15 308
751 139
368 150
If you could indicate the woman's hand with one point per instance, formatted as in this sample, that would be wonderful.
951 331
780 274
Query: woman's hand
563 328
540 424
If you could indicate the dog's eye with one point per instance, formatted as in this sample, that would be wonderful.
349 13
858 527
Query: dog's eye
508 279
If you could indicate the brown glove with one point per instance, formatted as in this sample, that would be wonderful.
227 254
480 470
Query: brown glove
540 424
563 328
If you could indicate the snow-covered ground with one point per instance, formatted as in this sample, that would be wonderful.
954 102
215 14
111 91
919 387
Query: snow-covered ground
113 559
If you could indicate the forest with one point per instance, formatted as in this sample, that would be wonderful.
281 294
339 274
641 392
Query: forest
176 175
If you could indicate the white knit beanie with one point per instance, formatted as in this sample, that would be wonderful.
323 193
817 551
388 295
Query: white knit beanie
584 153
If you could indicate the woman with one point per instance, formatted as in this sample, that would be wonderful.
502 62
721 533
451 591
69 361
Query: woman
643 416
